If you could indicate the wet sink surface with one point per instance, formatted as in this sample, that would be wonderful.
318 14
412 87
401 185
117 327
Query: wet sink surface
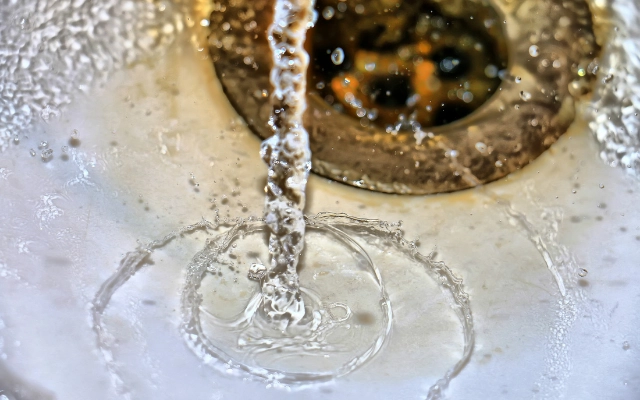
159 147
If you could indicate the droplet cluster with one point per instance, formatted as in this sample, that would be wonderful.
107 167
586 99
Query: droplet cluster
50 50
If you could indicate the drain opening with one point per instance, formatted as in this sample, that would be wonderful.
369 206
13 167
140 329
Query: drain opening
408 62
419 97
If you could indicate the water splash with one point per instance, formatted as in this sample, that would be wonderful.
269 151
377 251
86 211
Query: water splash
256 335
545 242
350 231
451 285
573 301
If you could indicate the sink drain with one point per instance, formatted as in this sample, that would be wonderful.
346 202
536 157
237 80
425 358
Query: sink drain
419 97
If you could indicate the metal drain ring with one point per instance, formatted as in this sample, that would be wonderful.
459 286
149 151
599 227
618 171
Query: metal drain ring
551 48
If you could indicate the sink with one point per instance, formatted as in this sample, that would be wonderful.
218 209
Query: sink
151 144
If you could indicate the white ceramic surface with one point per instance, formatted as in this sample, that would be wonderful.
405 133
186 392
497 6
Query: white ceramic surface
65 224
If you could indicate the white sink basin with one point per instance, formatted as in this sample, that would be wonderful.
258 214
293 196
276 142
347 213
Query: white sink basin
158 147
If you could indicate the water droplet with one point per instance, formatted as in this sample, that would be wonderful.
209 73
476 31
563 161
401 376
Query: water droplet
46 154
626 345
257 271
526 96
32 152
534 51
337 57
43 145
582 272
601 186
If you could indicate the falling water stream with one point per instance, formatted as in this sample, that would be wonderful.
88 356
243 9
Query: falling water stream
288 156
290 332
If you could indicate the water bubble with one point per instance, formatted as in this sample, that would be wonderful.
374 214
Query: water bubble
534 51
626 345
337 57
518 79
328 13
481 147
526 96
491 71
261 94
582 272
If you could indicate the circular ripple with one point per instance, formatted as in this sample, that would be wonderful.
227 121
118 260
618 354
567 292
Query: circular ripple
345 261
345 324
